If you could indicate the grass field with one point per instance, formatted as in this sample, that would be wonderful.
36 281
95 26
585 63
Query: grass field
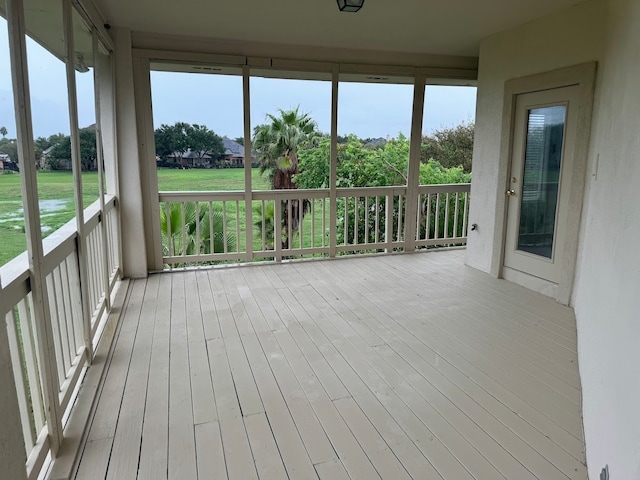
57 205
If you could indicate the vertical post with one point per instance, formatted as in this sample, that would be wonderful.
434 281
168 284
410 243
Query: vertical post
41 312
277 215
413 175
248 188
333 166
12 451
388 222
97 70
134 255
147 156
106 91
76 165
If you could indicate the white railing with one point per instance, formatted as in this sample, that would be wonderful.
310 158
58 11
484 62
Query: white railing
208 227
59 345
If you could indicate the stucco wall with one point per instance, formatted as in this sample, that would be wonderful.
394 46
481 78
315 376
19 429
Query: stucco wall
607 294
567 38
607 288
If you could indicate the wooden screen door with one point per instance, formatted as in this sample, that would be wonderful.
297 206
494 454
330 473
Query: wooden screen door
544 136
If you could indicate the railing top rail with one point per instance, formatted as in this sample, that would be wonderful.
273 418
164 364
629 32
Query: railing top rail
372 191
233 195
180 196
56 247
445 188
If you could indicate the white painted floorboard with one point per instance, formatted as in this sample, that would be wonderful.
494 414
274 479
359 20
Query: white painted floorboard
392 367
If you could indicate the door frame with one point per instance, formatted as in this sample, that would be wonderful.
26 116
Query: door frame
582 76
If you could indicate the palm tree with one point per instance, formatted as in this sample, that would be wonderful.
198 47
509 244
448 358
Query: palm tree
277 143
193 245
3 131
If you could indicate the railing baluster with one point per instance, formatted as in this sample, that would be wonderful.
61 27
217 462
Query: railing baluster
324 217
289 226
437 217
55 326
465 215
455 217
356 223
313 223
366 220
74 294
264 226
224 227
66 300
346 221
277 225
31 362
388 233
198 239
169 232
62 321
427 236
183 225
21 381
446 217
377 221
238 227
300 231
212 240
400 210
418 209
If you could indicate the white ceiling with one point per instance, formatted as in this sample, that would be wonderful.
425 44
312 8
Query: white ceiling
444 27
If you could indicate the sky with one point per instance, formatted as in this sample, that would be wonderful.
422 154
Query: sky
368 110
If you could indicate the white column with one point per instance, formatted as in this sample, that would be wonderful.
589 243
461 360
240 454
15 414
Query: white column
134 254
248 188
148 168
333 165
413 174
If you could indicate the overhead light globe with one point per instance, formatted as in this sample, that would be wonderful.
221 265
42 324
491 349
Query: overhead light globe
350 5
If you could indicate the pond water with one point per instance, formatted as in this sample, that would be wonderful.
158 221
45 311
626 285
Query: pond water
48 208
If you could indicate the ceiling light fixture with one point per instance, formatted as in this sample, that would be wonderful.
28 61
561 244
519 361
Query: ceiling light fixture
80 64
350 5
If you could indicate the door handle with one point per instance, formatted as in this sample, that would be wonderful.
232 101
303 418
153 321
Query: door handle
511 193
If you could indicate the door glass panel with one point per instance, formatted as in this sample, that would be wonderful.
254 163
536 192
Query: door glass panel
540 180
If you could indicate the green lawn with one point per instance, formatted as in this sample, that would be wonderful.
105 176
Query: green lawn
173 179
56 194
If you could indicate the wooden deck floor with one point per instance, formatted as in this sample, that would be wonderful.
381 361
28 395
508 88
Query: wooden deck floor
394 367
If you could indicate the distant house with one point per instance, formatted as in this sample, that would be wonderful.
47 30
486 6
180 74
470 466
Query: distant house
6 164
234 153
191 159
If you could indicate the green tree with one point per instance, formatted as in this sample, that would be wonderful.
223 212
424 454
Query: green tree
9 146
450 147
176 139
3 131
239 140
88 151
171 140
361 166
203 142
277 144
